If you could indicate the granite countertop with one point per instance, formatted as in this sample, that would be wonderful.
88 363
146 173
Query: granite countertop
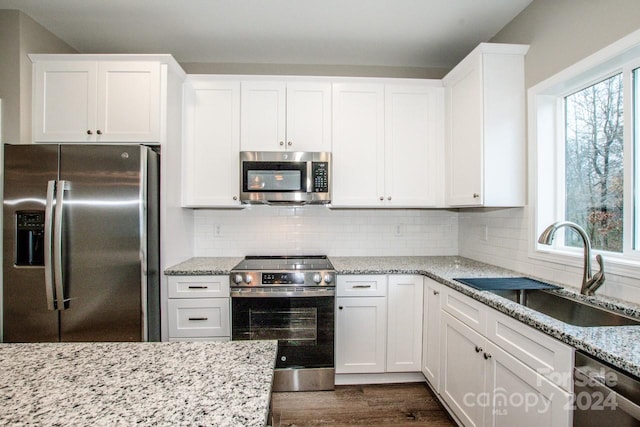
618 345
177 383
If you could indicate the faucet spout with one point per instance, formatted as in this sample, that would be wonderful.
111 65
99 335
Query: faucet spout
590 283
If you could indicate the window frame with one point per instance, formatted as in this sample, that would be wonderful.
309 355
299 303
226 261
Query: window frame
546 154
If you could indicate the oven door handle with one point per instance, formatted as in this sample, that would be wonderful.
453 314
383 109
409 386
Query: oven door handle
251 293
594 381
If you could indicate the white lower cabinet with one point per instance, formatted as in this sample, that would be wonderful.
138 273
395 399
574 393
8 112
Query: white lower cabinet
484 385
361 335
431 333
404 323
199 308
378 324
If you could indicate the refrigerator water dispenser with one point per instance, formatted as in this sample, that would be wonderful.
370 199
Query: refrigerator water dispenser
30 238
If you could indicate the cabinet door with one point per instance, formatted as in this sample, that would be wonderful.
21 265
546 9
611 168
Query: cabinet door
308 116
414 145
210 173
462 370
404 327
465 138
358 145
431 333
64 101
520 396
263 116
360 335
128 108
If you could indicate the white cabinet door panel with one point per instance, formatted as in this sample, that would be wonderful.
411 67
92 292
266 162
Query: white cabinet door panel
309 116
263 116
404 327
431 333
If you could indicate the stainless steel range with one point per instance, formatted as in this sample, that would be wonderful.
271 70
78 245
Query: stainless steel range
290 299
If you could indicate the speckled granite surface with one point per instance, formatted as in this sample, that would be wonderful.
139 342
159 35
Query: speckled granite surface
203 266
619 345
195 383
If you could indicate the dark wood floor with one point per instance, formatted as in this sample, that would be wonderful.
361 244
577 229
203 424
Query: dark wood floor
410 404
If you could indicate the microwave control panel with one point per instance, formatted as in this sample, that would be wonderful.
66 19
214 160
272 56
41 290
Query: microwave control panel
320 175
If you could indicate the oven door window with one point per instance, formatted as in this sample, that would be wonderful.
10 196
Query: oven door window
274 176
304 328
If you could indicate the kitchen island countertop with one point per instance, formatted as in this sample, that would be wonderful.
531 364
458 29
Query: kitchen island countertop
176 383
617 345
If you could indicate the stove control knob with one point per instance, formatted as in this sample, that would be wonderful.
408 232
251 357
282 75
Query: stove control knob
317 278
328 278
247 278
237 279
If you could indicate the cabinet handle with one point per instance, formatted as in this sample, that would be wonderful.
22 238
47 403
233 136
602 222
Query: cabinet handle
289 143
476 195
235 197
281 142
198 318
198 287
389 198
487 356
361 286
89 132
381 198
340 308
99 132
478 349
436 292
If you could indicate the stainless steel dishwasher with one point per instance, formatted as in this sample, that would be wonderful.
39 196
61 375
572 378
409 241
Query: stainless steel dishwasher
604 396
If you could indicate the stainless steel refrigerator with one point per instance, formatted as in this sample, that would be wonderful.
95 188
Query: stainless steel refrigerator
81 243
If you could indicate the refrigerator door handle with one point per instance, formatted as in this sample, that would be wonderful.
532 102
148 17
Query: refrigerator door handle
61 187
48 259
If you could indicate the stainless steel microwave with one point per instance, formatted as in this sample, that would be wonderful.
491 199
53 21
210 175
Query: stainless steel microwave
285 177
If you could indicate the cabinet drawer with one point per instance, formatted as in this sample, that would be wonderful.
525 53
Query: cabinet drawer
198 286
542 353
362 286
467 310
203 317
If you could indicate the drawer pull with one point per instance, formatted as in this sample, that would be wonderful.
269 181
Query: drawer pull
198 318
361 286
198 287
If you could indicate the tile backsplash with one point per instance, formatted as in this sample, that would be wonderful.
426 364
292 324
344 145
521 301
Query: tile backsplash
271 230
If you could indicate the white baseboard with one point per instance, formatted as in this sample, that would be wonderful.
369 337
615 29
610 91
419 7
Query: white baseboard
385 378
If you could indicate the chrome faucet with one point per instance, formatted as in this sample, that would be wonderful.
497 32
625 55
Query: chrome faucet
590 283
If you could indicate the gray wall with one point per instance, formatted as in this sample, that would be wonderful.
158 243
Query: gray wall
19 36
562 32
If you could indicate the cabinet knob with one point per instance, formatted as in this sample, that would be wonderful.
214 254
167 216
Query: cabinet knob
381 198
289 143
436 292
281 142
389 198
340 308
89 132
487 356
235 197
478 349
476 195
99 132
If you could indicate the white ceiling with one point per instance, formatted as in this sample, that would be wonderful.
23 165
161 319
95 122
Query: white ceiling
413 33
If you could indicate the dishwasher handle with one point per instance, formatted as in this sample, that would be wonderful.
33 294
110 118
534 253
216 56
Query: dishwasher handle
594 380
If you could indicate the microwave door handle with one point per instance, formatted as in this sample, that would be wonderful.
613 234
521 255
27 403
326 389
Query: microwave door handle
57 244
309 177
48 258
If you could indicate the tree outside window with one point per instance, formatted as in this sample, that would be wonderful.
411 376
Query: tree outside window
594 164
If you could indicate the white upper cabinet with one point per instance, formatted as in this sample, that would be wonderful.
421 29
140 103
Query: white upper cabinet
211 145
96 100
388 145
485 128
278 115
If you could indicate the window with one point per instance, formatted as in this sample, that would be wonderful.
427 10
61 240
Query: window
584 126
593 165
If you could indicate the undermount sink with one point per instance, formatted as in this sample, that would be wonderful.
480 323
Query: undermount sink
565 309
